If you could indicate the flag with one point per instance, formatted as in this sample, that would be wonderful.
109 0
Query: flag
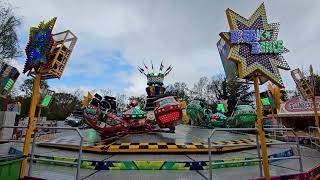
140 70
145 66
168 70
151 65
161 66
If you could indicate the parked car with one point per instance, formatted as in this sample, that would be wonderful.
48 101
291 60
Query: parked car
75 119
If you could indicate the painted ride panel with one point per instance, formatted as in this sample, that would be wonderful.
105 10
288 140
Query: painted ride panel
244 116
167 112
201 116
100 114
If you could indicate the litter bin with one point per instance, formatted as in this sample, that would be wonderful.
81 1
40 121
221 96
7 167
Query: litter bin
10 167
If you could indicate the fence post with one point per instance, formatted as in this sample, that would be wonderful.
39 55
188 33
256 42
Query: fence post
32 152
210 163
79 158
310 137
299 154
259 155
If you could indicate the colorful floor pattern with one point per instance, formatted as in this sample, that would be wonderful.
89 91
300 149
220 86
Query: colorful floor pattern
151 147
162 165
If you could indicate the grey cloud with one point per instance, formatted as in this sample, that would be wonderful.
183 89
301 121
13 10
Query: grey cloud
183 32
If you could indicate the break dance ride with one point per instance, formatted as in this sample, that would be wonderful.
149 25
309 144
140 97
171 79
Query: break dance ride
101 113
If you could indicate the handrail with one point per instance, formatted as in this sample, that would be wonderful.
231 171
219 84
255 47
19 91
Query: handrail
210 145
314 136
80 149
24 127
31 158
231 129
274 134
52 160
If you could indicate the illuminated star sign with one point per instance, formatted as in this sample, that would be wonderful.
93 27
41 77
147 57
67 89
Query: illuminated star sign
255 47
260 40
39 46
86 100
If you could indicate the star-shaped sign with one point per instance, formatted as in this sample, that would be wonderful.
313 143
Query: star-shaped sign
86 100
39 46
254 46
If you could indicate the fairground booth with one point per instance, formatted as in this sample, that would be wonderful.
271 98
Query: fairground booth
298 113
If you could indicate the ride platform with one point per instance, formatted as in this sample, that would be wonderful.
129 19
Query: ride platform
186 139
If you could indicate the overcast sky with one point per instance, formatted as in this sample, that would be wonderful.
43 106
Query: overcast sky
116 36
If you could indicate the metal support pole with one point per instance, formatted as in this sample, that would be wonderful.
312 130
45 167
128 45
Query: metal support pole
79 158
32 154
309 129
316 117
272 118
33 105
273 122
299 154
210 158
261 131
259 155
39 114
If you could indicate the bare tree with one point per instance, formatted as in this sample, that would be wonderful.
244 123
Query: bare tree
106 92
121 102
63 104
27 86
9 22
102 92
200 88
180 90
218 87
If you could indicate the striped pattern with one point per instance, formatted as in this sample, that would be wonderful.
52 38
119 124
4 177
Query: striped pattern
162 165
151 147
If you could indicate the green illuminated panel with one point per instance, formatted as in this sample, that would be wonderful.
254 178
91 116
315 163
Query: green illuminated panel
46 101
221 108
265 101
9 84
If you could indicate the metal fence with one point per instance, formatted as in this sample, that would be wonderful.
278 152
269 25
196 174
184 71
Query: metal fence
257 145
276 134
314 136
32 158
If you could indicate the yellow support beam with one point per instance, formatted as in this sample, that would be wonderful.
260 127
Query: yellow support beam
316 117
265 161
33 105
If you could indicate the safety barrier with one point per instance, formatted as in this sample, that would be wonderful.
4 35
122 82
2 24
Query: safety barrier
210 145
313 174
314 136
158 164
276 134
32 156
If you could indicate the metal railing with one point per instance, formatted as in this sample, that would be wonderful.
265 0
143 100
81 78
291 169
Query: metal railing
210 145
276 134
11 140
32 158
314 136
